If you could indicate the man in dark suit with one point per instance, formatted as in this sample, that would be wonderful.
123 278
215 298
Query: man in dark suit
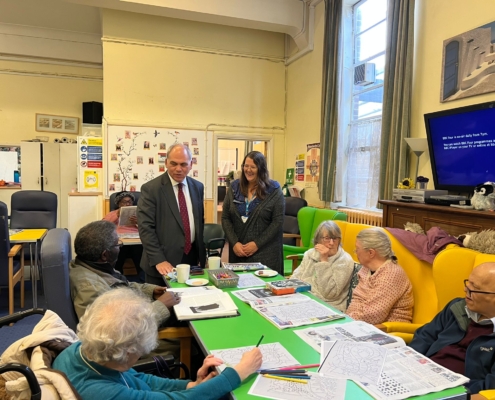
170 216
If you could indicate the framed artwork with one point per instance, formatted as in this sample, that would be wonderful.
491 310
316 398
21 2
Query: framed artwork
57 124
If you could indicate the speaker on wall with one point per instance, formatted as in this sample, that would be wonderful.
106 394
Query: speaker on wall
92 112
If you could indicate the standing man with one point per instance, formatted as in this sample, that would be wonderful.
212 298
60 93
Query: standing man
171 218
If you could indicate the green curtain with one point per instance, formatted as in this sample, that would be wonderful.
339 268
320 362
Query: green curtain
397 90
330 101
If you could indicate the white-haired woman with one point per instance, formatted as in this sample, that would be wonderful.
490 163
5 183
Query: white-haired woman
327 267
117 329
384 292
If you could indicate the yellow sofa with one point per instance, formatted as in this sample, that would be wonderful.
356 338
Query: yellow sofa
419 272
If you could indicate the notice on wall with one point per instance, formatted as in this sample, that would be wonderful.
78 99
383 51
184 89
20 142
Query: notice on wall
300 167
90 158
312 164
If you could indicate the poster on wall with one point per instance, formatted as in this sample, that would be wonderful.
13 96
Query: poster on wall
312 164
137 155
468 67
90 159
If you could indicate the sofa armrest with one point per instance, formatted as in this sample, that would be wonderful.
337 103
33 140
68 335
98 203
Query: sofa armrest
297 236
289 250
401 327
15 249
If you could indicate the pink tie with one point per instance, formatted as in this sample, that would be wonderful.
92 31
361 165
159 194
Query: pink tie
185 219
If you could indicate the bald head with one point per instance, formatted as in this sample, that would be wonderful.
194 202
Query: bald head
482 279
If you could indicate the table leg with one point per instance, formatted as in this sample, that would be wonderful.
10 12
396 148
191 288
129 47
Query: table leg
34 274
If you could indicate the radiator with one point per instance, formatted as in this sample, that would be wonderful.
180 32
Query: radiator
363 217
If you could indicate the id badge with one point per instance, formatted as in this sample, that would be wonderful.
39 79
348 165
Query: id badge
244 219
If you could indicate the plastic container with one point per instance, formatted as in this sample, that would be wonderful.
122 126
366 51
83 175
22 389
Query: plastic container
219 282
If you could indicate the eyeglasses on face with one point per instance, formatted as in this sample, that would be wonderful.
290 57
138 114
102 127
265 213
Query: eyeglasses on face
126 202
249 167
329 239
469 291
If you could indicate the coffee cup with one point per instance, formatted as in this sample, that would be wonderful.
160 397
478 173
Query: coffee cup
213 262
182 272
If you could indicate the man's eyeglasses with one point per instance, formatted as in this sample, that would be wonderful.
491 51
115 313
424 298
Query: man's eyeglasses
249 167
119 244
329 239
469 291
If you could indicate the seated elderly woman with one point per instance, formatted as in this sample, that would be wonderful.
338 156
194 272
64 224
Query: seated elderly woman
327 267
135 252
117 329
384 292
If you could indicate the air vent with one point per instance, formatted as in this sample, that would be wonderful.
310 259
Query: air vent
364 74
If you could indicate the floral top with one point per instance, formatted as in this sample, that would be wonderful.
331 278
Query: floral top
384 296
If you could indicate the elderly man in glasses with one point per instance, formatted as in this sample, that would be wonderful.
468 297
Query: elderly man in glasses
461 337
92 273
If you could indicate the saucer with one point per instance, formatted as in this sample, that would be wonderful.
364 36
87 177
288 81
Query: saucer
197 282
266 273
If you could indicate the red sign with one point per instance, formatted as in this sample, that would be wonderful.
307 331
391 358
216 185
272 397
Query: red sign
95 164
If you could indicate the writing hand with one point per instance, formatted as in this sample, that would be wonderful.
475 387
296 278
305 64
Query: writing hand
158 291
250 362
169 299
164 267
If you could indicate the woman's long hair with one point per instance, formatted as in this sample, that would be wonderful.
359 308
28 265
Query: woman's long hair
263 180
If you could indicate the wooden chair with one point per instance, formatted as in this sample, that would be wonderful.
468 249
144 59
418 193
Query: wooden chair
184 335
11 271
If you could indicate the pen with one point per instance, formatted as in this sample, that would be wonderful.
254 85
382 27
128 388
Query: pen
261 338
286 379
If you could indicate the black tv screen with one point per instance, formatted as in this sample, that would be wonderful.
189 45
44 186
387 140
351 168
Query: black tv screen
461 142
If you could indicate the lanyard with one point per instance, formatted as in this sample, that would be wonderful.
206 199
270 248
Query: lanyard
248 202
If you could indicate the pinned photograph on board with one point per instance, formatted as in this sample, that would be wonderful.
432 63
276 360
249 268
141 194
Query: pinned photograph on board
194 160
196 151
146 145
194 141
116 177
185 144
111 187
139 159
163 146
132 188
118 147
161 158
151 160
127 134
161 168
135 176
113 157
195 173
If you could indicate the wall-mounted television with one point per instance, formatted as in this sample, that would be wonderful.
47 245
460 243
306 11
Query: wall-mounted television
461 143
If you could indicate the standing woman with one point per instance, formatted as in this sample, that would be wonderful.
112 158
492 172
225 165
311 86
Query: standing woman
253 216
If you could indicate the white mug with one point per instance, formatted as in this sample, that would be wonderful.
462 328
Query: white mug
213 262
183 272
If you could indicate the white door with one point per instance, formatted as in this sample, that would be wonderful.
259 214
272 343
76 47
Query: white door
31 165
68 179
51 172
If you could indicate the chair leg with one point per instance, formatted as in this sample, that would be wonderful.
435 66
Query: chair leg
185 353
11 285
22 278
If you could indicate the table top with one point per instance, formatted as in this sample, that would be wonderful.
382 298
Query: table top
245 330
28 236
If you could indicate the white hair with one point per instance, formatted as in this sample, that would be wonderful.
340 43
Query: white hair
118 323
378 240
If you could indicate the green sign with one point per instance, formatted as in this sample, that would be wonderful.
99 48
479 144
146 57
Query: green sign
289 176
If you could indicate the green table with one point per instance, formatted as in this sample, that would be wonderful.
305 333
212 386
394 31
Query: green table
246 330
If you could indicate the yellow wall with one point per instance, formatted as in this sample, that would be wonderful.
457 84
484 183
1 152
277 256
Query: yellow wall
304 102
433 26
176 73
44 91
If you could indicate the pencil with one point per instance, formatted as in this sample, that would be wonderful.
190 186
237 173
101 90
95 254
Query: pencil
261 338
290 376
286 372
286 379
299 367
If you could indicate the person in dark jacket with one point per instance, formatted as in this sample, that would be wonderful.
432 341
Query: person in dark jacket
253 216
461 337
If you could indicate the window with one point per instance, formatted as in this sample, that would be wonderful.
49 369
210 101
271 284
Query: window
363 65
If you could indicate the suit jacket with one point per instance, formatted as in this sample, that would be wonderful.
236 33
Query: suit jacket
160 225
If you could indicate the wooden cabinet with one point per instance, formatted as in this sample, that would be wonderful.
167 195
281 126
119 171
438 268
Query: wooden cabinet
51 167
455 221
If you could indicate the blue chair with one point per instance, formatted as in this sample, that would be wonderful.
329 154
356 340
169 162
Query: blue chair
11 271
33 209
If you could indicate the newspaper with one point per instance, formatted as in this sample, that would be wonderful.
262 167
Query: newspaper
291 314
256 297
125 214
249 280
405 373
355 331
243 266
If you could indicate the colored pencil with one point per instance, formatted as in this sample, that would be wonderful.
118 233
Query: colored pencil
261 338
286 372
299 367
290 376
286 379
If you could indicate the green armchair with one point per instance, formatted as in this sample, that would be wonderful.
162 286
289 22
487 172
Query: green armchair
308 219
